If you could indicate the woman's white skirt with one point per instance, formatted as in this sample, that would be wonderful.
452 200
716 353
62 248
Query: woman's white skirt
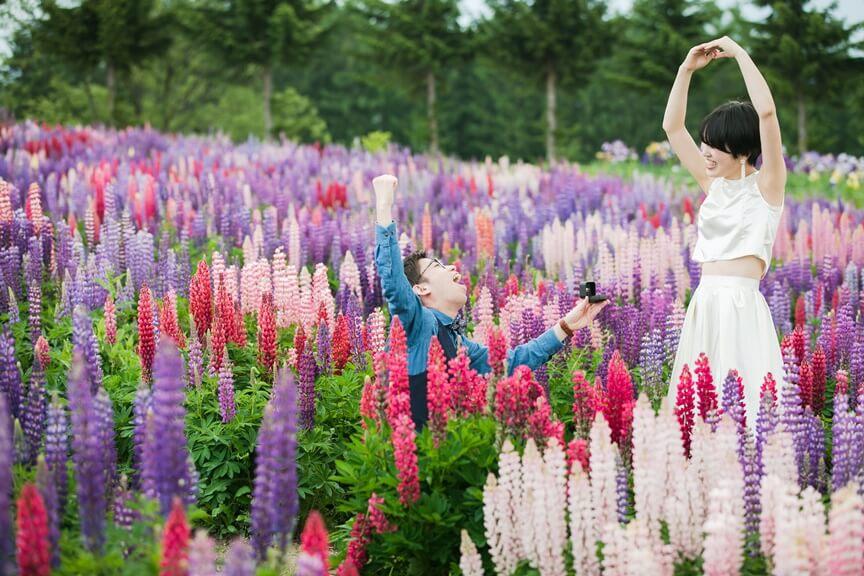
729 319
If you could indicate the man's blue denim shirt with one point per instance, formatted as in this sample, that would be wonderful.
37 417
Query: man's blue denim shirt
421 324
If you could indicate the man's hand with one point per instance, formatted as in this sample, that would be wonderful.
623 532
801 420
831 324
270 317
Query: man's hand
583 313
385 191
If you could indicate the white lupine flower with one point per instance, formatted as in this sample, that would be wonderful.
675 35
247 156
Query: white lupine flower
724 528
509 506
583 529
649 466
614 550
533 525
843 551
470 563
797 520
554 490
603 485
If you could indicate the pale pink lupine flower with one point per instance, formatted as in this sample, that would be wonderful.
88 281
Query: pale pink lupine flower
551 312
258 239
684 508
843 551
231 283
426 227
558 241
800 524
306 309
295 250
293 310
6 214
217 270
249 252
778 457
470 562
321 295
553 492
724 529
583 529
647 555
649 466
265 284
502 511
35 201
614 550
281 295
248 287
483 316
603 471
375 338
349 275
532 524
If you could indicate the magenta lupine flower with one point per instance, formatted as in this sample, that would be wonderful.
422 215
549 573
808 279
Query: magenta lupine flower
166 470
226 391
275 500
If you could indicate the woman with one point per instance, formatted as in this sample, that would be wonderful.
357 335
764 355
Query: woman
728 318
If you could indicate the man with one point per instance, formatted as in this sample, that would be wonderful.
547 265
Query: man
426 295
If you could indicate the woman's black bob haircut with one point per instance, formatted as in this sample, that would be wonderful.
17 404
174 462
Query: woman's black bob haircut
734 128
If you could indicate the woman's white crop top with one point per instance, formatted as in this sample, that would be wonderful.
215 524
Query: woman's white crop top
734 221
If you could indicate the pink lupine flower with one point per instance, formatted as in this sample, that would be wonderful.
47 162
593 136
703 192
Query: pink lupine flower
843 554
426 227
618 407
168 322
6 214
515 398
33 207
438 398
376 517
769 385
405 454
705 390
577 453
584 403
43 352
470 561
541 427
110 320
398 395
497 343
371 401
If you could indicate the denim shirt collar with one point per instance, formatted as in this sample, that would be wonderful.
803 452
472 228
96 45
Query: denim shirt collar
442 317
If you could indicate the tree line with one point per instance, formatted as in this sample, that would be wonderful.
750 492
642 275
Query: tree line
538 79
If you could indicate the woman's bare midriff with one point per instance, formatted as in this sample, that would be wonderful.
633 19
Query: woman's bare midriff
748 266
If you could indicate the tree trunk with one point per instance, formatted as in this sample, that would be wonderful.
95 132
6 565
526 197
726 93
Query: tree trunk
268 93
430 112
802 124
551 122
111 81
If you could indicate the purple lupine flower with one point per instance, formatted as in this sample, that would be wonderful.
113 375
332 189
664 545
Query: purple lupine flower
85 341
12 310
752 471
651 364
355 330
275 501
196 357
240 559
226 391
6 456
124 516
105 412
856 366
815 447
165 467
48 490
57 448
307 388
844 437
791 411
87 455
143 403
733 404
325 361
10 376
34 413
845 333
34 311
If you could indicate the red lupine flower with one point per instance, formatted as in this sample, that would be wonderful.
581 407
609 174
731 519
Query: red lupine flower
800 312
515 398
355 556
175 543
398 395
218 340
299 342
497 350
168 322
577 451
805 382
32 540
540 424
817 299
584 403
267 334
33 207
43 351
819 376
405 454
618 408
438 398
477 395
705 390
314 539
110 320
341 344
347 568
461 382
684 408
799 343
379 522
146 336
200 299
769 385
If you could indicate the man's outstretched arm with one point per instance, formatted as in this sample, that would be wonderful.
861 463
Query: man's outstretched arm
388 258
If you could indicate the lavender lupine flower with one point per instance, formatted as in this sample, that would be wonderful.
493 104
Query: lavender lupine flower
45 484
124 516
196 357
143 404
651 364
621 489
6 456
844 437
10 376
105 412
781 307
14 313
307 388
85 340
275 501
856 365
323 344
240 559
57 448
35 413
34 311
355 323
87 447
165 467
814 461
226 391
791 412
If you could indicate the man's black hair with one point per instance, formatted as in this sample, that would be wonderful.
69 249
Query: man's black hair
411 264
734 128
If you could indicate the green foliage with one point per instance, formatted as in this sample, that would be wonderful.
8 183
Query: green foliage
451 480
295 117
376 141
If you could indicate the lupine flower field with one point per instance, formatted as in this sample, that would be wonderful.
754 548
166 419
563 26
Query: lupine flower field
199 375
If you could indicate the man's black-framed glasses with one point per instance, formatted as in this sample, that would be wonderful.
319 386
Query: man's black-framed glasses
434 261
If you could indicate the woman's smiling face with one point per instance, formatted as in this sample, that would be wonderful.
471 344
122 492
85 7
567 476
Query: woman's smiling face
720 163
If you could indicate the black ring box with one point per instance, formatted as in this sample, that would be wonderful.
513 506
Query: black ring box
589 289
